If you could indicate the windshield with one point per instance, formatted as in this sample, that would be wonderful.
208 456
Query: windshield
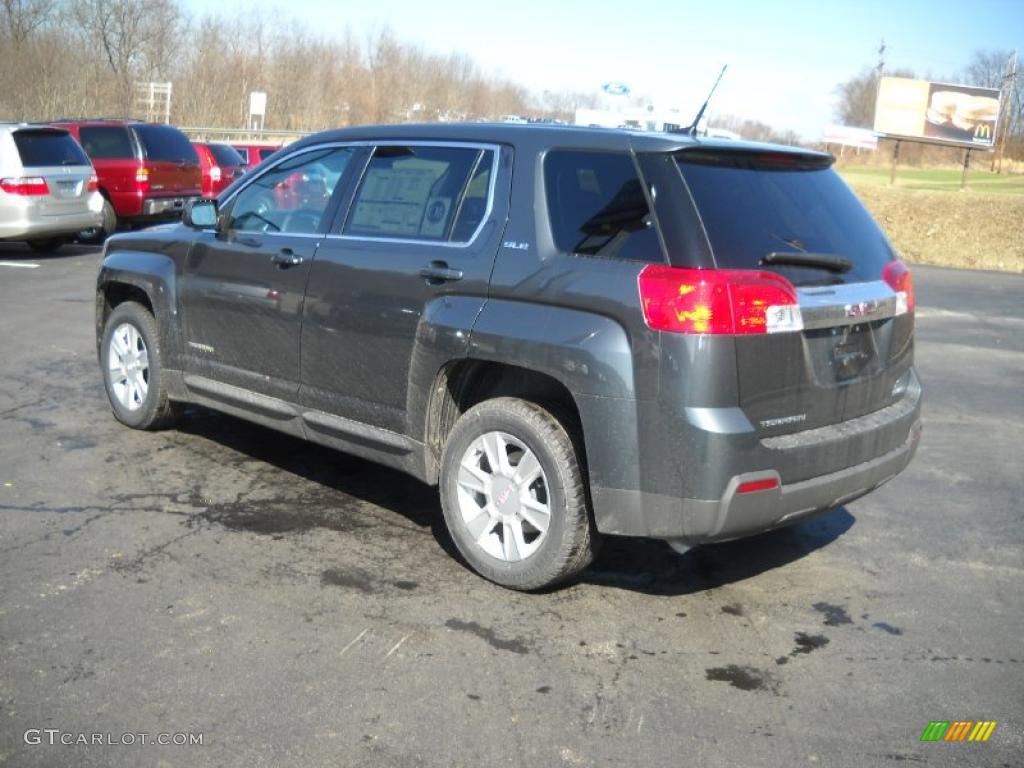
753 206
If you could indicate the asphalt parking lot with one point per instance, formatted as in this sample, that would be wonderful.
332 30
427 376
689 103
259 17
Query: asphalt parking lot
297 606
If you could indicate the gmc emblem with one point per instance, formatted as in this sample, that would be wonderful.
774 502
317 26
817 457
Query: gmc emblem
860 309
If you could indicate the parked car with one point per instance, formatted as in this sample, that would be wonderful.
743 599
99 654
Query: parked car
221 165
146 171
48 190
255 153
572 332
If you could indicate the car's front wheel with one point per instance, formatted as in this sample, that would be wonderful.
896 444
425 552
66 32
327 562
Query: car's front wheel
130 356
513 495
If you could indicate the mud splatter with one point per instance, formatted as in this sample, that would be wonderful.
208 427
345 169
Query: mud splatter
515 645
886 627
744 678
834 614
807 643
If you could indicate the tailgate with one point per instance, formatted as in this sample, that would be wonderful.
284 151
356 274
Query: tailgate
852 358
789 213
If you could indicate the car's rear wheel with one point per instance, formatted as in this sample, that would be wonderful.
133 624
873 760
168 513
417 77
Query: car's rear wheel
45 244
130 357
96 235
513 495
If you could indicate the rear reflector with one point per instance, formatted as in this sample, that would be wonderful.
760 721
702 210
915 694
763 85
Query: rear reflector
717 301
758 485
897 275
25 185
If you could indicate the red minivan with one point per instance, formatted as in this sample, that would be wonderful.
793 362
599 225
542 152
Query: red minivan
146 171
221 165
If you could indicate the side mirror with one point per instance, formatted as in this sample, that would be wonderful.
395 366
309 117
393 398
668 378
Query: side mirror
200 213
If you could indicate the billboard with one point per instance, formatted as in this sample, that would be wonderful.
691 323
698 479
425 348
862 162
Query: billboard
941 113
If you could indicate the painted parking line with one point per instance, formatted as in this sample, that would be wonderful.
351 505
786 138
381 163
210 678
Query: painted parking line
21 264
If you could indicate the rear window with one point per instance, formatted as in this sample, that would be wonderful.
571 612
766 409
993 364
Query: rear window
412 192
225 156
40 148
163 143
107 142
597 206
754 205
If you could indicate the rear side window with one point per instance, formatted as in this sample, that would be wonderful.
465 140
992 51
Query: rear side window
597 206
163 143
752 207
473 207
225 156
412 192
107 142
265 153
243 153
40 148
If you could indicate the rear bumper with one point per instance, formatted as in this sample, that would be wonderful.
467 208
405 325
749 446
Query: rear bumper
694 521
164 207
813 471
29 228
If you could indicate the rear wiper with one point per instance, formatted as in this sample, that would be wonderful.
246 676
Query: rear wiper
823 260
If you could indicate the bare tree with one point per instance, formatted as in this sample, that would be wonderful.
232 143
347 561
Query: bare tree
22 18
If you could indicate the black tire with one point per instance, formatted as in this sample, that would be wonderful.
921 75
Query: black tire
156 410
97 235
570 542
46 244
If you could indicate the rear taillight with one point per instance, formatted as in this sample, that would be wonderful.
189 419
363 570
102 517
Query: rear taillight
93 184
25 185
718 301
142 175
897 275
215 173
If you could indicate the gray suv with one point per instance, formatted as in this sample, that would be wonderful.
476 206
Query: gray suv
572 332
48 190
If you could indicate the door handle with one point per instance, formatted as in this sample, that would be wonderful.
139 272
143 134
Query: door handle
285 258
439 272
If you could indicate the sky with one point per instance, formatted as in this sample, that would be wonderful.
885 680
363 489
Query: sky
785 58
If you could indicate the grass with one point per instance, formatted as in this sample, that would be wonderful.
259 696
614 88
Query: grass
979 180
930 221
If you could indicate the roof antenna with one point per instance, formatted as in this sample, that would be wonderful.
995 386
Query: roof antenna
692 130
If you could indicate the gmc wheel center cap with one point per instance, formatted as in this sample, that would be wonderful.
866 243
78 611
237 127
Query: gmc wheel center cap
503 491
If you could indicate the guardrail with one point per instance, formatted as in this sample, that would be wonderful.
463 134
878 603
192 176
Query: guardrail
268 135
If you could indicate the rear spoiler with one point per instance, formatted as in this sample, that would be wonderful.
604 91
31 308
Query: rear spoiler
767 159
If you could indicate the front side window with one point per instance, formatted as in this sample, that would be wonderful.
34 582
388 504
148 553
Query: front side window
597 206
293 196
416 193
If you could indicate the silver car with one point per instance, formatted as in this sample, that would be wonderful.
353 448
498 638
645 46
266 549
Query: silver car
48 188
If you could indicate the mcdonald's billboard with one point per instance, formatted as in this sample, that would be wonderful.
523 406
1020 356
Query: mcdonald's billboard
938 113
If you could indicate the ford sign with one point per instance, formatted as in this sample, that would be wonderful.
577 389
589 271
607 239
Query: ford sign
615 89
